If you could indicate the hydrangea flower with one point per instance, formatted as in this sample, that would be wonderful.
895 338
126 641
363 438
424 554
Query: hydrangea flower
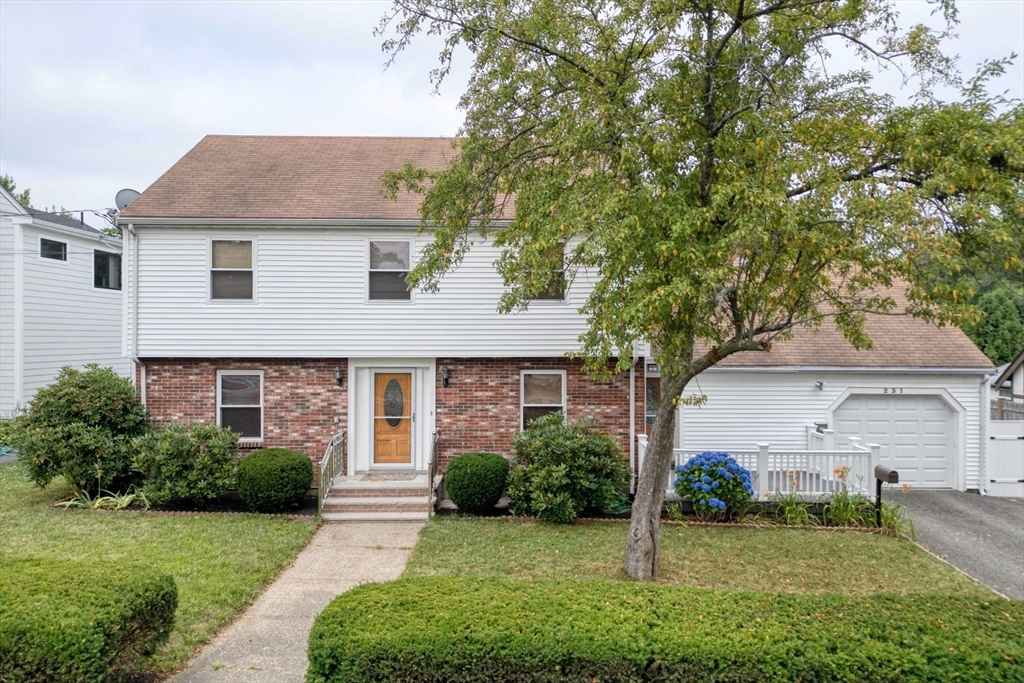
715 483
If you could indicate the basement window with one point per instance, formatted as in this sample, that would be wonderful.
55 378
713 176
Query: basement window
240 402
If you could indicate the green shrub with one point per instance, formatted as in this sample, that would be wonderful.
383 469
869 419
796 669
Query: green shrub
475 481
7 432
563 470
475 630
81 427
194 462
274 479
79 622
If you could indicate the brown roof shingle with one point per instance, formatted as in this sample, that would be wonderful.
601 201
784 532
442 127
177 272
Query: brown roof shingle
288 177
900 341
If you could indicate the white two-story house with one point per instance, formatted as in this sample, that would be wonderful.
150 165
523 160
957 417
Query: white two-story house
60 300
265 291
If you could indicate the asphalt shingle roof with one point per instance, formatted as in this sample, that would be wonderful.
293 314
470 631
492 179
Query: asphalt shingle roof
255 176
61 220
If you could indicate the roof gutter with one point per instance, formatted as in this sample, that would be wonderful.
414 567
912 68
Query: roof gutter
64 229
852 368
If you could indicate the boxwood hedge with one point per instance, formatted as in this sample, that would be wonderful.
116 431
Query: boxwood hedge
475 481
74 621
471 630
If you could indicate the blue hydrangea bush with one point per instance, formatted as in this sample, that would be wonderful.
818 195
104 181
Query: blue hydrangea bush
716 485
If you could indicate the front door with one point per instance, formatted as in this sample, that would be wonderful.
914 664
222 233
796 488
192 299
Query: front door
392 418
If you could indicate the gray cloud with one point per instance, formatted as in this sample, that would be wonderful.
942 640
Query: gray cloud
98 96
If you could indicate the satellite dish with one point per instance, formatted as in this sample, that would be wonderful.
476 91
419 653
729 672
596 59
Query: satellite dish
125 197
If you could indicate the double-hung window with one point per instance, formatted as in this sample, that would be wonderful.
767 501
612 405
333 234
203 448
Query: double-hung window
240 402
106 270
389 266
541 392
52 249
555 290
231 270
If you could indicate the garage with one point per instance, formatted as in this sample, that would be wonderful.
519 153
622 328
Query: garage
917 434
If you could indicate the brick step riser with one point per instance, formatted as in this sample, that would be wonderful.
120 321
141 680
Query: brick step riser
377 493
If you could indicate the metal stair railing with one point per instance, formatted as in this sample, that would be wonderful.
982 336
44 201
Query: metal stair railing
329 466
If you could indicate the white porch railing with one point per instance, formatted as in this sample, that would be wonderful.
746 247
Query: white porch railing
329 464
810 474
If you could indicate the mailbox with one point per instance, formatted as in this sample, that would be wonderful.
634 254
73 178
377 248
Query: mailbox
886 475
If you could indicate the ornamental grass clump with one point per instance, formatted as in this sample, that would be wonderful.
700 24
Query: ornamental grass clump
716 485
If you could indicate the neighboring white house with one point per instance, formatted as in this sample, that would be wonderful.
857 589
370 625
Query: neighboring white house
1008 380
60 300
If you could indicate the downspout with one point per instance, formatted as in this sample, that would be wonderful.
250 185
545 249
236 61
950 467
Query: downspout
986 415
131 306
19 314
632 411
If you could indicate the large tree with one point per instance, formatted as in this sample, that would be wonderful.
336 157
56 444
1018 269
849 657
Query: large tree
715 175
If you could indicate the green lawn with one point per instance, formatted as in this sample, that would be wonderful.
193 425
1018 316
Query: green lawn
220 562
741 559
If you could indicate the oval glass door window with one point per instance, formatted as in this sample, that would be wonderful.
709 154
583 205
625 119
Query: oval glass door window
394 403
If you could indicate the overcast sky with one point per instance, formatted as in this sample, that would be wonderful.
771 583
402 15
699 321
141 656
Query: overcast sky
97 96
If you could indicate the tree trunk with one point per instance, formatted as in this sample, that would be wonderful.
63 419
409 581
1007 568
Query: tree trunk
643 545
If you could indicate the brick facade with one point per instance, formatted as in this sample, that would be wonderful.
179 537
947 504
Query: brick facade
301 399
479 410
303 406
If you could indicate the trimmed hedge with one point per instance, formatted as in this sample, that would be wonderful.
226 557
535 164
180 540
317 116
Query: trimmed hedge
475 481
192 461
477 630
274 479
79 622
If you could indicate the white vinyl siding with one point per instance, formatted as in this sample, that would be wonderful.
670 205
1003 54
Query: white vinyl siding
745 407
66 320
311 301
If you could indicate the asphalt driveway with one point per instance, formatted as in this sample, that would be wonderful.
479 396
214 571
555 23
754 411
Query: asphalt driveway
981 535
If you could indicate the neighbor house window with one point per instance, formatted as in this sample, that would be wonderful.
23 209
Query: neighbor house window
106 270
52 249
231 272
540 392
556 287
389 265
240 402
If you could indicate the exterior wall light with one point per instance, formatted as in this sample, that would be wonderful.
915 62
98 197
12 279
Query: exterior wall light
339 376
445 373
820 385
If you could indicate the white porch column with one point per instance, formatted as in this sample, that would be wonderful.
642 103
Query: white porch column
761 487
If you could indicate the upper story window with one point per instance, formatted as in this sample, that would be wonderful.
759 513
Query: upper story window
231 270
106 270
540 392
52 249
556 287
389 265
240 402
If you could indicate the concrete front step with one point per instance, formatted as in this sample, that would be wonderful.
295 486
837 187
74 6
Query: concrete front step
374 516
403 504
390 492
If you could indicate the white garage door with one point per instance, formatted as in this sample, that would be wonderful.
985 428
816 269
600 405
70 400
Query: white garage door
917 434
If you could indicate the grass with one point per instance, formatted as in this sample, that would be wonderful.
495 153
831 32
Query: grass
220 562
738 559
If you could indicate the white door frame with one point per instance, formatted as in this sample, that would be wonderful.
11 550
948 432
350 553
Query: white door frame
959 437
360 402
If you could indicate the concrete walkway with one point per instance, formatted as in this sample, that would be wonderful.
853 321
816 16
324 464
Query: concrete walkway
981 535
267 643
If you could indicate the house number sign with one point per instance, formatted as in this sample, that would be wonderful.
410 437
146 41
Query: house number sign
892 390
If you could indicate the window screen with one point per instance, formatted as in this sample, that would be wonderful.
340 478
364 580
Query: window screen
389 266
231 275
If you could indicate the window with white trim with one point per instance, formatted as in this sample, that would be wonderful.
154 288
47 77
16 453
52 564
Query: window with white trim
240 402
231 272
53 249
556 286
389 265
541 392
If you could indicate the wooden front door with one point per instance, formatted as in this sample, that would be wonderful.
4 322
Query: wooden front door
392 418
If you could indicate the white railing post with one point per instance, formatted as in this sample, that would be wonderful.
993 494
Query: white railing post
855 443
761 487
641 449
876 454
828 437
812 436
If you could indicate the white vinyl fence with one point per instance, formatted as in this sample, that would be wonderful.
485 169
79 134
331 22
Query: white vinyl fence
1005 466
810 473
